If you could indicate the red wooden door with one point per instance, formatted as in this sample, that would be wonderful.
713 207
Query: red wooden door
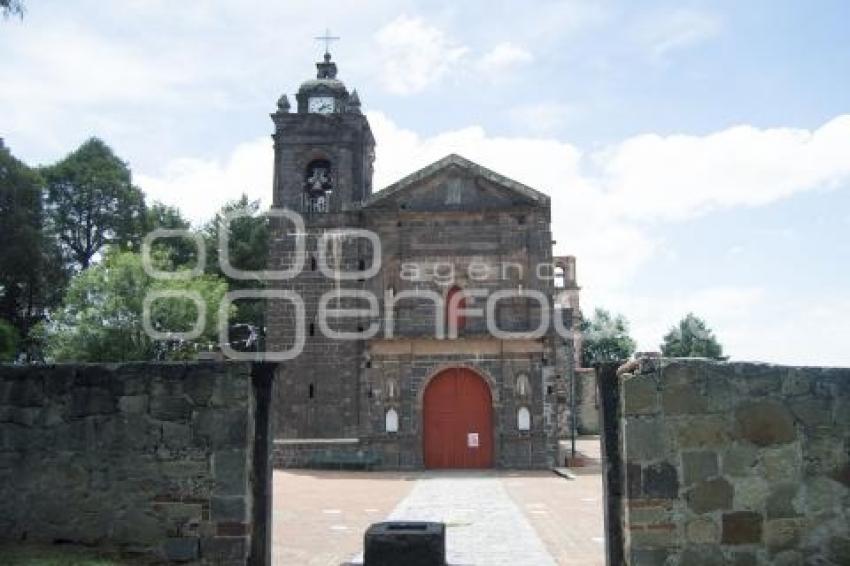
458 421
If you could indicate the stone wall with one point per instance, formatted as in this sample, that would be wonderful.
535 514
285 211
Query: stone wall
587 401
735 463
154 459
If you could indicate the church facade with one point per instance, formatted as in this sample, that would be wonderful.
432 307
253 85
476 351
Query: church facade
429 331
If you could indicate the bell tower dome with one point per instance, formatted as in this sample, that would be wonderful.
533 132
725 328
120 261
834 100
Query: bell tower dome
324 151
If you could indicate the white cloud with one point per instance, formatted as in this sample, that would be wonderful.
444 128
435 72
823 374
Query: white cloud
504 57
662 33
677 177
200 187
542 118
415 54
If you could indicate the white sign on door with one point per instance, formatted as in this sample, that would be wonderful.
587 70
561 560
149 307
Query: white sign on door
472 440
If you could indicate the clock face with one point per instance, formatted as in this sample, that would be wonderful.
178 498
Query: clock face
320 104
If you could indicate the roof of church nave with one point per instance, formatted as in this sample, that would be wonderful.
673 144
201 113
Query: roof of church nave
455 160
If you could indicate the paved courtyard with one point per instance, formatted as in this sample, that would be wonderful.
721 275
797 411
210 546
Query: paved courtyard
493 517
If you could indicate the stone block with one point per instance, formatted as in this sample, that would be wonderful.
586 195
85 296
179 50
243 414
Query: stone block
136 404
750 493
759 379
648 556
170 408
791 558
740 459
838 549
702 555
234 509
682 399
841 474
680 373
823 496
230 472
648 511
765 423
796 383
660 480
200 385
710 431
220 550
745 558
179 513
640 396
181 549
96 375
783 534
782 464
91 401
702 531
698 466
184 469
634 480
176 436
710 495
782 502
742 527
721 393
58 380
812 412
658 535
644 439
823 454
221 428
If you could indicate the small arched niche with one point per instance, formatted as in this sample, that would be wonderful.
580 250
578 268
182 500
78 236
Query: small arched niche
391 420
523 386
391 390
523 419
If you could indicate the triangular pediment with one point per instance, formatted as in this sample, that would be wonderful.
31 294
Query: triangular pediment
456 183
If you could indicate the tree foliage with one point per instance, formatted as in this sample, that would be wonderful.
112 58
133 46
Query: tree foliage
179 250
691 338
605 338
247 250
31 274
92 202
102 315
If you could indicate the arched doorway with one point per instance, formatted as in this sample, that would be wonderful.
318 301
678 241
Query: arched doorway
457 421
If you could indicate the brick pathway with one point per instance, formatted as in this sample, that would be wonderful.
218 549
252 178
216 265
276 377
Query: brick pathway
519 518
320 517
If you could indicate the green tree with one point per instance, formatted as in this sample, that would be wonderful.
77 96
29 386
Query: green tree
248 250
102 316
92 202
8 341
691 338
31 274
180 251
605 338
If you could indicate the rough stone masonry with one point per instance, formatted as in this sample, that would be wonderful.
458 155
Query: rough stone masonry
736 463
155 459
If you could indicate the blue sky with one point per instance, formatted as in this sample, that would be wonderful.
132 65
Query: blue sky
697 153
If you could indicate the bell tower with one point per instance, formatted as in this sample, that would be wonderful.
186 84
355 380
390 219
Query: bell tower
324 150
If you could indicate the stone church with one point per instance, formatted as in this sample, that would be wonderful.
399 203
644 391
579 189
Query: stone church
400 291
